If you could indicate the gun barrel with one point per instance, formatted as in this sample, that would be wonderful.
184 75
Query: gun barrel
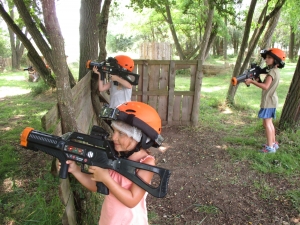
237 80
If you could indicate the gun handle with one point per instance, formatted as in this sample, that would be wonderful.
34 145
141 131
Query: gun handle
101 188
63 172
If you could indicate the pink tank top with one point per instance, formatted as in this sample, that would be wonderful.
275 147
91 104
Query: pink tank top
116 213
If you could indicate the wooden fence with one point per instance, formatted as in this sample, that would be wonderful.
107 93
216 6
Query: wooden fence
157 88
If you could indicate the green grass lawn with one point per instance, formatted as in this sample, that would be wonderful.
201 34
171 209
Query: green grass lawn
244 134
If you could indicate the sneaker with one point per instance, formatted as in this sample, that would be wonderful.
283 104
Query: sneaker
275 145
268 149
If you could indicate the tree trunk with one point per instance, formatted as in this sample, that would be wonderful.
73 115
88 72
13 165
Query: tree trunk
169 20
12 43
236 71
225 43
89 12
199 75
38 38
64 95
211 40
291 44
34 57
103 23
290 116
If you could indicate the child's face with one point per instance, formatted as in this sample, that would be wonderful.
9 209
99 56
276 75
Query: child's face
122 142
269 60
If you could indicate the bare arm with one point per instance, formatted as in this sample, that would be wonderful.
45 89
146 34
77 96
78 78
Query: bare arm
265 85
131 197
101 85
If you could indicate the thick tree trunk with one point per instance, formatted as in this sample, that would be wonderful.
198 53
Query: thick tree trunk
290 116
103 23
64 95
199 75
33 54
89 12
237 67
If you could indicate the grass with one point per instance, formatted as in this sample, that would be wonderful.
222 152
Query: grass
21 106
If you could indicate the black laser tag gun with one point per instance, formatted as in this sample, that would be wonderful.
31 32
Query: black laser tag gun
111 66
252 73
28 69
93 150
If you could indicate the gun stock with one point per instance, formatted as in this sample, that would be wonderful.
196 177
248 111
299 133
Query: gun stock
95 151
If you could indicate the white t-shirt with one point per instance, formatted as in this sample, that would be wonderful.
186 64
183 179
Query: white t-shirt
119 94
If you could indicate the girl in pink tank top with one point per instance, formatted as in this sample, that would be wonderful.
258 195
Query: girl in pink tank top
137 127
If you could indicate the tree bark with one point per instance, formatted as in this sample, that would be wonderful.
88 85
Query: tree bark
89 12
33 55
199 75
291 44
290 116
103 23
64 95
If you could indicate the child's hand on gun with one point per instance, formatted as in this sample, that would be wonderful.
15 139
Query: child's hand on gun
99 174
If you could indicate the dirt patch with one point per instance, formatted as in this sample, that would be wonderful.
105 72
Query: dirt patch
207 188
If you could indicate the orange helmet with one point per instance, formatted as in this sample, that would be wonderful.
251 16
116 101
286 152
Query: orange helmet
140 115
276 53
125 62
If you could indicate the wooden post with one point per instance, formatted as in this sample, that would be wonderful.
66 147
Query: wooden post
172 72
196 101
